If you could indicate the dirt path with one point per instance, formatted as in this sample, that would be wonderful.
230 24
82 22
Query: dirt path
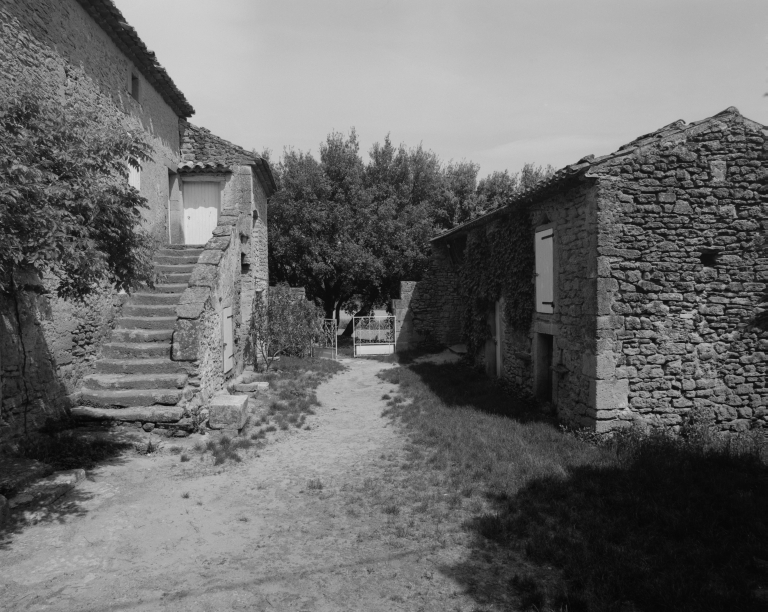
253 537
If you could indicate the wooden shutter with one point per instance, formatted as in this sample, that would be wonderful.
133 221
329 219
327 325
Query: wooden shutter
227 339
545 271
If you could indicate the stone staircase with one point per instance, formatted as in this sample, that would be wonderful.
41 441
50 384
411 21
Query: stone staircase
135 379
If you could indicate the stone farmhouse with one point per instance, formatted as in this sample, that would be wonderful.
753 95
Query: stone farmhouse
641 273
153 356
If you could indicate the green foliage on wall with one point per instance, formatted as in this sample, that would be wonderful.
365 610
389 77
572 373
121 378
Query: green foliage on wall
66 208
498 263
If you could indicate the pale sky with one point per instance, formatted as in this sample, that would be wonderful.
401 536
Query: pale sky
499 83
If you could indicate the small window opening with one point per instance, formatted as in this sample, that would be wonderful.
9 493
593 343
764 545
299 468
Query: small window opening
245 266
135 87
255 215
709 259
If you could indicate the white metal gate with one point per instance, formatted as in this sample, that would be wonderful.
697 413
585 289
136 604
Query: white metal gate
373 335
326 344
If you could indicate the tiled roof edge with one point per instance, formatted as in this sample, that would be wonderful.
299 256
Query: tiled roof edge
111 20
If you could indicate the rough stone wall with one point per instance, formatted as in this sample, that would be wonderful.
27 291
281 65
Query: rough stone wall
255 277
673 327
431 308
60 338
48 37
215 284
46 346
572 213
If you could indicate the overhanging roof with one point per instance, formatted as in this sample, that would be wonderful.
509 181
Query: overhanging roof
111 20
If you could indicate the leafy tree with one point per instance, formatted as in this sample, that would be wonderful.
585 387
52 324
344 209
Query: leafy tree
282 324
349 232
65 206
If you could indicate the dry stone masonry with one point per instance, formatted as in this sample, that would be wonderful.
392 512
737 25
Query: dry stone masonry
113 352
657 277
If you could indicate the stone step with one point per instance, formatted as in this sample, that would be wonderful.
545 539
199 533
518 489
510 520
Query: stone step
135 381
151 414
146 322
164 309
141 335
139 366
170 287
178 257
173 268
176 249
137 350
157 299
178 278
131 397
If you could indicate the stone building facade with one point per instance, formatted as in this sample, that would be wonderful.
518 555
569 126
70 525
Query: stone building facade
656 276
49 346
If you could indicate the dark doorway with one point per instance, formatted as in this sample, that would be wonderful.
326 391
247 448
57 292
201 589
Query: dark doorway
543 367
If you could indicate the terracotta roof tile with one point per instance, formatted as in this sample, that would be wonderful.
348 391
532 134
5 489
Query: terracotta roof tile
201 151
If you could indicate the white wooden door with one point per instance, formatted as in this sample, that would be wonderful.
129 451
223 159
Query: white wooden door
545 271
227 339
201 211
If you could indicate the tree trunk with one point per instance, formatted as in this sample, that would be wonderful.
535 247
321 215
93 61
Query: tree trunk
364 311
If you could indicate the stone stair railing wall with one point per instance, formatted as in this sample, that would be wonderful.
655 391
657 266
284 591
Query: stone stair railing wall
215 284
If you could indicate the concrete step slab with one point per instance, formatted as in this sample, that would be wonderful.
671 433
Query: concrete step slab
141 335
177 258
135 381
137 350
180 277
131 397
147 414
170 249
174 268
139 366
154 299
170 287
146 322
150 310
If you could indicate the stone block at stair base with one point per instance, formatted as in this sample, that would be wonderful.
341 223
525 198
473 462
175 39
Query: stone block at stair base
228 412
251 387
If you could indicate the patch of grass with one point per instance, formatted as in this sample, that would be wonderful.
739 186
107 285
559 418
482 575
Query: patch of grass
175 450
640 521
226 449
184 457
185 495
315 485
392 509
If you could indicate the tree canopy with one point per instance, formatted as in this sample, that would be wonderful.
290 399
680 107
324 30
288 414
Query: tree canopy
66 208
350 231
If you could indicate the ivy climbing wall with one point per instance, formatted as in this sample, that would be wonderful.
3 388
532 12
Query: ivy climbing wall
658 274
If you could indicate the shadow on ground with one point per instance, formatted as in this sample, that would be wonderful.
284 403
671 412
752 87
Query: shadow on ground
456 384
665 529
55 450
645 521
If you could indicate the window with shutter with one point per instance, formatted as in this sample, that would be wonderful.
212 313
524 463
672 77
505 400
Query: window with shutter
545 271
